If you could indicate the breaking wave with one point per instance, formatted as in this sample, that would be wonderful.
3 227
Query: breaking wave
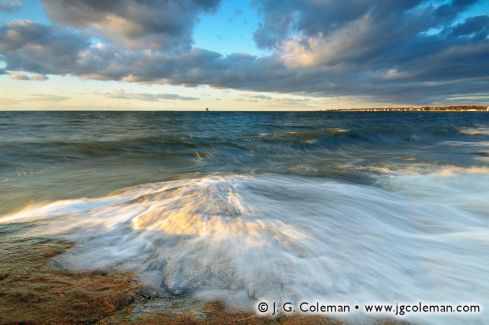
418 169
479 130
244 238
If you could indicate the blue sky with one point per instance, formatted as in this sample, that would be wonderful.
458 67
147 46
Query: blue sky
260 54
29 10
230 29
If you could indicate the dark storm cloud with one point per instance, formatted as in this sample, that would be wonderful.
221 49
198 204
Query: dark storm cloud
403 51
138 23
9 5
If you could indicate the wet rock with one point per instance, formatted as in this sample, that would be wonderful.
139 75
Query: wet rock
125 301
148 293
35 292
100 273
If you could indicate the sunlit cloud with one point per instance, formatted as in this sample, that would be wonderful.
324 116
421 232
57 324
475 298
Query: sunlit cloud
23 76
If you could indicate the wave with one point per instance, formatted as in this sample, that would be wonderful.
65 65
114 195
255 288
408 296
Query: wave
243 238
480 130
482 144
307 137
306 133
422 169
378 135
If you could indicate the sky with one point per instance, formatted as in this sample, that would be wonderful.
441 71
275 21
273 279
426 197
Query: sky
242 54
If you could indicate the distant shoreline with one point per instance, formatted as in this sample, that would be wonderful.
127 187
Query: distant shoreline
461 108
416 109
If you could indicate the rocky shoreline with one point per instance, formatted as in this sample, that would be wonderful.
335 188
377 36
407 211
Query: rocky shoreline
35 291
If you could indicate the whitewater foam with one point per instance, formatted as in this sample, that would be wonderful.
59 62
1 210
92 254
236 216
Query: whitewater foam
478 130
421 169
244 238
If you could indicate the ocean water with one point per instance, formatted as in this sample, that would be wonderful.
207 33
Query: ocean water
355 208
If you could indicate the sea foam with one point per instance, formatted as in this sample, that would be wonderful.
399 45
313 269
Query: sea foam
249 238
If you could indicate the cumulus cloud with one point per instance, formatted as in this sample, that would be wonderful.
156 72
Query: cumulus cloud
10 5
382 50
312 17
340 46
159 24
41 48
350 32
